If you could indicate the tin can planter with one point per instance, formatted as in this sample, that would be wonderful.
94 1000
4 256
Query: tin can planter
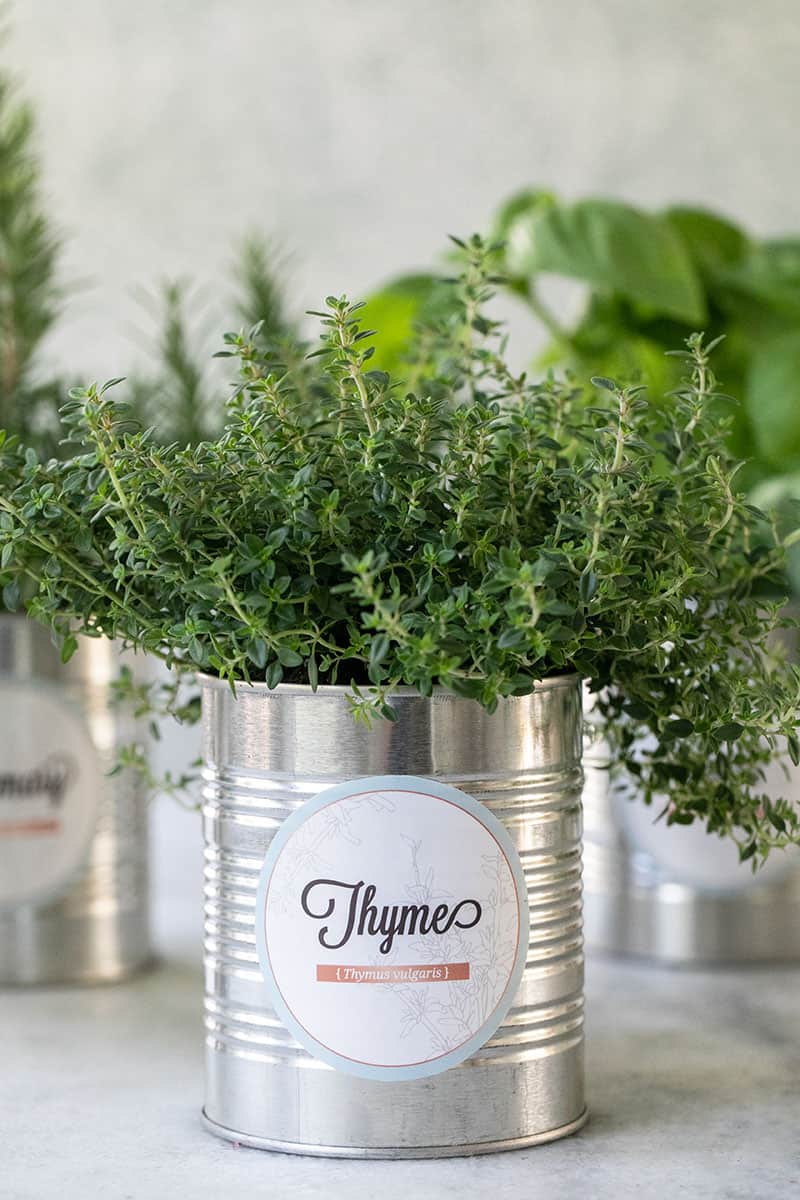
73 842
393 946
675 894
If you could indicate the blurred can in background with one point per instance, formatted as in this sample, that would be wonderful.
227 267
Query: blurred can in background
73 840
676 894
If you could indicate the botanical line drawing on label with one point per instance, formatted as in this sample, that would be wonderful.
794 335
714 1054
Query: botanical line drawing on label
412 894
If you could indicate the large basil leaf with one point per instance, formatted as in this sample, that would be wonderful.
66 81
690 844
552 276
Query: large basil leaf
769 275
711 240
395 308
773 399
611 246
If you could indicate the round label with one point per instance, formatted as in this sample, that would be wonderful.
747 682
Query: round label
51 784
392 926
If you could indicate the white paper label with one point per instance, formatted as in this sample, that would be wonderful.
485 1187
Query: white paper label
51 784
392 926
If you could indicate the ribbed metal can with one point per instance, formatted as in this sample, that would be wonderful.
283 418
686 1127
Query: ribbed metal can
90 924
268 753
676 894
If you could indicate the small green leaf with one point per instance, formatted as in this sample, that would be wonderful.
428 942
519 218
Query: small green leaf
588 586
379 648
729 732
676 817
11 596
601 381
258 652
679 728
288 657
273 675
68 647
512 639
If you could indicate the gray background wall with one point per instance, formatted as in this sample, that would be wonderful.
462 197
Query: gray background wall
360 132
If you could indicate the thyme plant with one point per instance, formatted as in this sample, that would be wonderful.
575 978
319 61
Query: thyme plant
479 533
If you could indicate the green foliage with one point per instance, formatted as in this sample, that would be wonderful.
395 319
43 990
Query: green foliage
653 278
480 533
748 289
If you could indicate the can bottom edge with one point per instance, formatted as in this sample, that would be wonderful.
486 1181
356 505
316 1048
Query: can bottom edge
119 974
393 1152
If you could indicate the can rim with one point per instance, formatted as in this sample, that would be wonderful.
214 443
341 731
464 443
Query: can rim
564 680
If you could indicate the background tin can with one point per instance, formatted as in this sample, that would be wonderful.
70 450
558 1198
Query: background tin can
266 752
668 894
96 929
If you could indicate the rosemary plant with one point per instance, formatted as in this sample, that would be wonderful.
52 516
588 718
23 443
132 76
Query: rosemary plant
479 533
259 271
176 397
29 293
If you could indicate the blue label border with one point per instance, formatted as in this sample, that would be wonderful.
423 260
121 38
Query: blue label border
392 783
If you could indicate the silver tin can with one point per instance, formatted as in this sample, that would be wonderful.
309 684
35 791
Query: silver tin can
94 928
266 753
669 895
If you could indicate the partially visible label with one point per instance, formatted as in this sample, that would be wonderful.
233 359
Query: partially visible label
392 926
51 785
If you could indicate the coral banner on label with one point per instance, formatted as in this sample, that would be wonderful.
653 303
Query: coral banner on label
436 973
